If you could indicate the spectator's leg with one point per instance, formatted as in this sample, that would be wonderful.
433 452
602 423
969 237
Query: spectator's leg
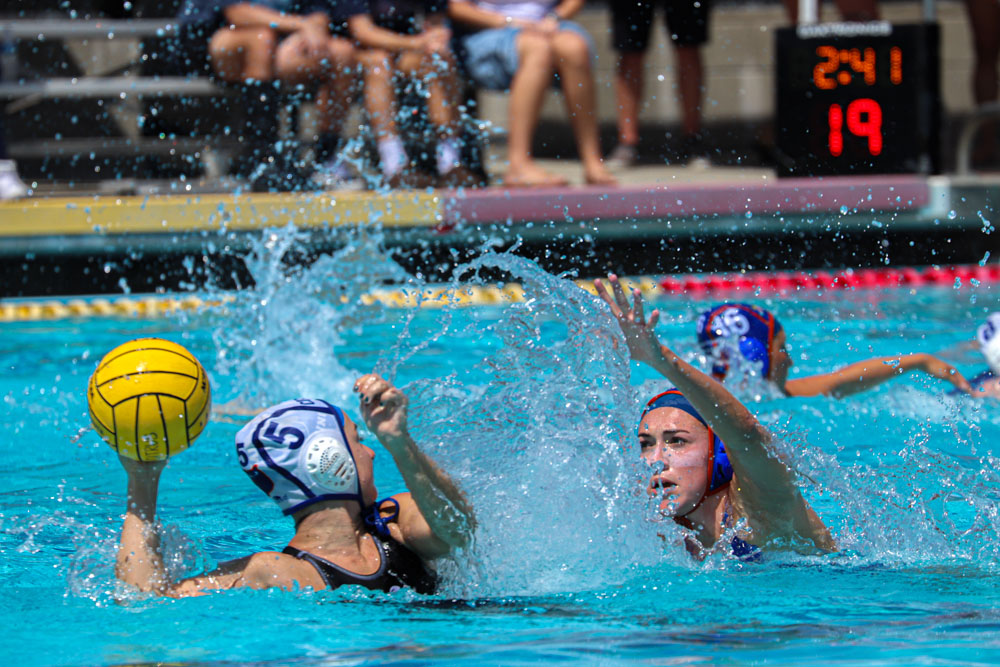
527 91
984 20
241 54
380 103
246 56
437 72
572 61
628 94
690 78
294 63
335 96
631 26
857 10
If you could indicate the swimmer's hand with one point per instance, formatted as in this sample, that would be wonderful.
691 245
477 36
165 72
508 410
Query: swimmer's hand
935 367
639 332
383 407
435 516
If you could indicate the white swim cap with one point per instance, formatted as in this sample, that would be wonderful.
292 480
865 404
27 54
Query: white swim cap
988 336
296 452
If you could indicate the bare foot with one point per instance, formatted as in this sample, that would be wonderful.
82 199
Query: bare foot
532 176
599 175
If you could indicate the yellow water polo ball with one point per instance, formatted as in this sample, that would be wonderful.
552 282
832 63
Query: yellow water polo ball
149 399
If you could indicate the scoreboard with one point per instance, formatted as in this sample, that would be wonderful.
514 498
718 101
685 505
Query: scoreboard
858 98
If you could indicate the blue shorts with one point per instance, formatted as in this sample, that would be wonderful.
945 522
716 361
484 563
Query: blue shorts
490 56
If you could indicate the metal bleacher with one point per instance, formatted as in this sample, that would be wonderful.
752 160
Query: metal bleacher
104 111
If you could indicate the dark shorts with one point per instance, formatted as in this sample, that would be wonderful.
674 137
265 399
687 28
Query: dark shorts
687 23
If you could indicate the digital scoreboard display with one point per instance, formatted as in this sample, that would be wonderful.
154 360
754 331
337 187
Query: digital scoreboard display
857 98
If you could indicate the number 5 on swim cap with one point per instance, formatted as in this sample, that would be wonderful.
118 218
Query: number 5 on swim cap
149 399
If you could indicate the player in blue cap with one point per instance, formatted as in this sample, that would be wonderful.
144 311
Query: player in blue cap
715 470
307 457
758 337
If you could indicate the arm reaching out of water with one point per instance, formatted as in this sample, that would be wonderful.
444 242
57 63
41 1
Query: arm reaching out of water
435 516
864 375
140 564
762 483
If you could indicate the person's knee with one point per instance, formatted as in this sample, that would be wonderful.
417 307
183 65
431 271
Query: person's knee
265 39
571 47
341 52
533 48
374 61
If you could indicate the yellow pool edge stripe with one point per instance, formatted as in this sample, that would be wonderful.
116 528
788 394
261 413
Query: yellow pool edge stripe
150 306
77 216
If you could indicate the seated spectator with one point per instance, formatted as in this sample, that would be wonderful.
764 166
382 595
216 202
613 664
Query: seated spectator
517 45
263 44
394 42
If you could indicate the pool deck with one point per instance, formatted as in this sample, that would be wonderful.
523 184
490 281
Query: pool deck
67 221
712 218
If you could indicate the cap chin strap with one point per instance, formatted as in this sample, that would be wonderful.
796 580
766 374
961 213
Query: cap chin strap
374 517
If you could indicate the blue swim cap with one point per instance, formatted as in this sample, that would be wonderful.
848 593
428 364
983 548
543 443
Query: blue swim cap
297 453
754 329
720 472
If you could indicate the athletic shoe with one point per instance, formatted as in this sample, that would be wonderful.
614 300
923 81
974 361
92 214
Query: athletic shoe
11 185
622 157
337 174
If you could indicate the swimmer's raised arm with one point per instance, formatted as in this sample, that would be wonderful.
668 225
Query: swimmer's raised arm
863 375
435 516
763 483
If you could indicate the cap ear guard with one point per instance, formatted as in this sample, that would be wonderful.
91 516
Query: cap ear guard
755 351
722 470
330 464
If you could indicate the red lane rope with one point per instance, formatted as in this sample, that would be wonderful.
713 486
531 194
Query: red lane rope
792 281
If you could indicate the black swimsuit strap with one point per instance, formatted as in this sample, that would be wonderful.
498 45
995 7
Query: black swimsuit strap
335 576
399 567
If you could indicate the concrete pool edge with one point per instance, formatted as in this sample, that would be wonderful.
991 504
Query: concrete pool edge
110 216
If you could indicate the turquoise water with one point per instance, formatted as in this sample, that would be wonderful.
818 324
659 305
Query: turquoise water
531 407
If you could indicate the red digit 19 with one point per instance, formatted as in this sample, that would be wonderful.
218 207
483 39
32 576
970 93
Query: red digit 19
870 126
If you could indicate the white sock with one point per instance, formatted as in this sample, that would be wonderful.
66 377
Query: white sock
392 155
449 152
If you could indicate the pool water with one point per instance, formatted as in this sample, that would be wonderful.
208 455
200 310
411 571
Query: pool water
531 407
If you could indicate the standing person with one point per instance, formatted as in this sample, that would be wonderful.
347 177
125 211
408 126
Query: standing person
517 46
306 456
757 336
394 41
687 25
984 21
262 45
715 469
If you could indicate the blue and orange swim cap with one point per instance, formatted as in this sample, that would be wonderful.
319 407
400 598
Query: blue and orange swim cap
753 329
720 472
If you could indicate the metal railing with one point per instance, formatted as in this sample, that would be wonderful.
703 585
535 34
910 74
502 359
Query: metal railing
963 159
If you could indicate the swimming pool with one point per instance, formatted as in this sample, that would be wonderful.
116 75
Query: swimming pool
531 407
